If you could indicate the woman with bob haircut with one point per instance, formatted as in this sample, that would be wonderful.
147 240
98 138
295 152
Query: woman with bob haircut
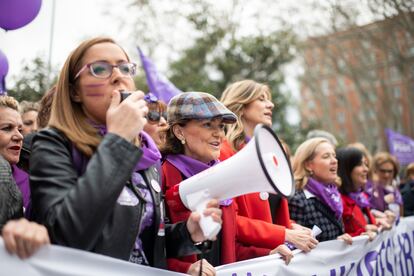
251 102
95 183
353 171
317 200
384 193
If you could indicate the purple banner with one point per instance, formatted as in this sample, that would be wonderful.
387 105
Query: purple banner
158 84
402 147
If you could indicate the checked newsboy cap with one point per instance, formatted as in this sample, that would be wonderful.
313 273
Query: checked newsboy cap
198 105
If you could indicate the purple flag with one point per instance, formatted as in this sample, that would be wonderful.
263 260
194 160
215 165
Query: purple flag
158 84
402 147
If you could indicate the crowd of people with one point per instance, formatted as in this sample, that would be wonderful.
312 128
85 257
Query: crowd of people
87 169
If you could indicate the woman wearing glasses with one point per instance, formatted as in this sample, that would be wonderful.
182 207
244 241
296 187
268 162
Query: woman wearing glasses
94 185
384 193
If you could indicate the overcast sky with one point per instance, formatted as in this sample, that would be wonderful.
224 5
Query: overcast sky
75 20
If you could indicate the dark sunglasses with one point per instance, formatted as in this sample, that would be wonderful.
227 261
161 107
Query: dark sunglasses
154 117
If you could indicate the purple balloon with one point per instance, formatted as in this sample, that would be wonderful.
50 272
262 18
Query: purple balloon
15 14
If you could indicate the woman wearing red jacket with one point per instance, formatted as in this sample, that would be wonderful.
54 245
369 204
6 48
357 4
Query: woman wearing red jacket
251 102
193 141
353 171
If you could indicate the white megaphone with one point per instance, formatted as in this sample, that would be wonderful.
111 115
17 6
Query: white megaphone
261 166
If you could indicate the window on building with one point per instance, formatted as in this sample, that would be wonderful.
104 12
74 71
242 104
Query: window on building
394 73
411 51
341 84
311 105
325 87
396 91
372 96
340 117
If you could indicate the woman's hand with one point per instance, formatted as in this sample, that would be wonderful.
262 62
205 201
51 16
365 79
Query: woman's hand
284 251
389 198
346 238
301 238
391 217
127 118
193 226
23 237
208 269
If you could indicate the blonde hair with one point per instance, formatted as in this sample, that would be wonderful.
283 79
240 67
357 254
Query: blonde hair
26 106
9 102
384 157
305 153
66 114
236 97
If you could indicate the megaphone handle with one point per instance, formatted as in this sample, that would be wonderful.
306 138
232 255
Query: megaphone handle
210 227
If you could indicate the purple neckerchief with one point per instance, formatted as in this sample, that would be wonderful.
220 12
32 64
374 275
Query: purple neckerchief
360 198
189 166
247 139
22 181
328 194
151 155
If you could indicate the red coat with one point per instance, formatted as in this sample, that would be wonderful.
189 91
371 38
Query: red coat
353 217
254 219
176 211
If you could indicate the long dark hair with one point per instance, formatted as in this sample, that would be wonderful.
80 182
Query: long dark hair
348 159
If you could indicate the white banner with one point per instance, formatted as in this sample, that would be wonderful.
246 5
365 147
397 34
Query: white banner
63 261
391 253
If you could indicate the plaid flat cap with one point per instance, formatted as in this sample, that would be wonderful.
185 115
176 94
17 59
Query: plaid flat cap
198 105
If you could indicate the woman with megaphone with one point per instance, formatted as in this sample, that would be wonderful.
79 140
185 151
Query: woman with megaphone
251 102
193 142
317 200
96 184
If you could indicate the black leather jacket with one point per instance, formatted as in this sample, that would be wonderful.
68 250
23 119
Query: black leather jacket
82 211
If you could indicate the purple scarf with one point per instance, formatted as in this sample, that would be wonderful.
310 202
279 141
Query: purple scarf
360 198
22 181
151 155
328 194
189 167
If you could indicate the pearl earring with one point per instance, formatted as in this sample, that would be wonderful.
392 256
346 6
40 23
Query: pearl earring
183 141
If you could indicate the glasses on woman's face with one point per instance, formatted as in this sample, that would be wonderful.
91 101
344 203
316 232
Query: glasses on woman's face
154 117
384 171
103 69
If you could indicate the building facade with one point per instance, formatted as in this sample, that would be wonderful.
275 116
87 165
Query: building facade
358 82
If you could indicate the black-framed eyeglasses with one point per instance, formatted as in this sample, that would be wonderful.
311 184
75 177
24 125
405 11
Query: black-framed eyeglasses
103 69
154 117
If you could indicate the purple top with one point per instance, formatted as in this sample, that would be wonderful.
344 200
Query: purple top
328 194
22 181
189 166
376 193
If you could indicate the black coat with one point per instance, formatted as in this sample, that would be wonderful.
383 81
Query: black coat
82 211
407 193
310 211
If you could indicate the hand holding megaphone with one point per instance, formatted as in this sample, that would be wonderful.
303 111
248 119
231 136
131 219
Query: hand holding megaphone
212 211
261 166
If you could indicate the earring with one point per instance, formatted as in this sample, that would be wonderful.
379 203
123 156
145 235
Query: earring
310 173
183 141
